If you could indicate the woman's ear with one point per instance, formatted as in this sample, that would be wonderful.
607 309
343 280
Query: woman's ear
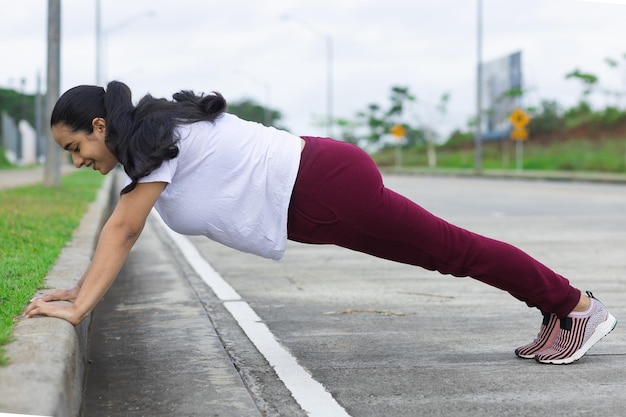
99 124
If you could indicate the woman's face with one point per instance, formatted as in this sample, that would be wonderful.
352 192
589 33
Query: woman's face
86 149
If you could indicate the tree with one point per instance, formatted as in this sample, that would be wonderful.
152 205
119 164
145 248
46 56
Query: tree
349 130
398 97
374 122
547 118
620 67
373 119
249 109
17 105
589 81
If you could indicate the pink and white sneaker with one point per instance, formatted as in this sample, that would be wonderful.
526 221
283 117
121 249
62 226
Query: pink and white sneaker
547 333
578 333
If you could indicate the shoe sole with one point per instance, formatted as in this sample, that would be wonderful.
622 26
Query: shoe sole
602 330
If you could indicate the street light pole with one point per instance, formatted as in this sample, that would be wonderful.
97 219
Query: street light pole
478 151
329 86
52 169
101 37
98 43
329 71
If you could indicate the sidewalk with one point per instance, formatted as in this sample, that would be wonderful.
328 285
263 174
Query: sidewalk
12 178
153 349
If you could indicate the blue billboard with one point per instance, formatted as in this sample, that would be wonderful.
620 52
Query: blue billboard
501 94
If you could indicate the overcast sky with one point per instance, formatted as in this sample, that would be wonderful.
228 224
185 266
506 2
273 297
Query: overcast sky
244 48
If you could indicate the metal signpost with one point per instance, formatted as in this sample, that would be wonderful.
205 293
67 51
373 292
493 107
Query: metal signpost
519 119
399 132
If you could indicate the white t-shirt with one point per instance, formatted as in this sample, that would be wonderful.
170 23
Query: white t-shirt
232 182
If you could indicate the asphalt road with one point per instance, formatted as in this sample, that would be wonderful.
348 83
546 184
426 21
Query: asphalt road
386 339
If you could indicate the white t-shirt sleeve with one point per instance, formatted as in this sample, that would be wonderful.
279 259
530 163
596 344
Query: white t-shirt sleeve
163 173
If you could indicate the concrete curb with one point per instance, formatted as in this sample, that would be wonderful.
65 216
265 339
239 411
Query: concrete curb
47 358
574 176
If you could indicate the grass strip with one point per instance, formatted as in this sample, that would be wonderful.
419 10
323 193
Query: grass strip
573 155
36 222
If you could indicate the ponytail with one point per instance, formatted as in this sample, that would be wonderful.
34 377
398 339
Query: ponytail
120 116
200 105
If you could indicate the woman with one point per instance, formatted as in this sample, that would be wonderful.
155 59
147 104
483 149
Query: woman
253 187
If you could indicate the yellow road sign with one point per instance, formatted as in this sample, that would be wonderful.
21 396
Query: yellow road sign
398 131
519 118
519 134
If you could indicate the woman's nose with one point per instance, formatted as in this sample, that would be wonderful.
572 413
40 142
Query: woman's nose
77 160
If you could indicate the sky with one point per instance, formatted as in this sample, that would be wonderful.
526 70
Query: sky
250 49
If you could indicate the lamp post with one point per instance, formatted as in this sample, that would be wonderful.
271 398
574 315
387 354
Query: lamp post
98 42
101 36
478 140
328 39
52 169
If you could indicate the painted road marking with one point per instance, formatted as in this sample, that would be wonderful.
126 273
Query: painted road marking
308 393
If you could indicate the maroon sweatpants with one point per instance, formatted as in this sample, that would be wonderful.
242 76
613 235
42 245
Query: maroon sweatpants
339 198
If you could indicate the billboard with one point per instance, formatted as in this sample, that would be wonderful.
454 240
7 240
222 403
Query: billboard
501 80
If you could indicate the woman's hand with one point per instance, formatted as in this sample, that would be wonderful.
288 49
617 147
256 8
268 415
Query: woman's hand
39 307
60 295
115 242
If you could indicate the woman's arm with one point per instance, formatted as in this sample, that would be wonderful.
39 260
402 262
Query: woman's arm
117 237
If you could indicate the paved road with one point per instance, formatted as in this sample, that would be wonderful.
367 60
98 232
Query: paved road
392 340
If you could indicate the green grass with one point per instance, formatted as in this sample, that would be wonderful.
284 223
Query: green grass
4 162
572 155
35 224
606 156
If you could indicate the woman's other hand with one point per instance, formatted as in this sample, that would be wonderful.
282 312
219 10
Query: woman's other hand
39 307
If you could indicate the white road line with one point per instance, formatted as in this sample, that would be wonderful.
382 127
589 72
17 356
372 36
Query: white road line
221 288
310 394
19 415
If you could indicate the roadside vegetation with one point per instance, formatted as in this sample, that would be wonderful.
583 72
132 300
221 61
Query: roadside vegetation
36 222
4 162
592 155
580 138
575 139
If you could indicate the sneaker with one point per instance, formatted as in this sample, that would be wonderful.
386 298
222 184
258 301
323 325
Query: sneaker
578 334
547 333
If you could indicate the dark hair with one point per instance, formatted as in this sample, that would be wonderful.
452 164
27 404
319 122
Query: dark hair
141 137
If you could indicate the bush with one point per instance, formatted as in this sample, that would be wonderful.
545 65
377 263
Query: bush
547 119
459 138
610 117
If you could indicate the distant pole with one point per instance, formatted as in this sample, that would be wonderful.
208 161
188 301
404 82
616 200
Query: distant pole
52 171
101 40
98 43
329 70
329 85
39 120
478 139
